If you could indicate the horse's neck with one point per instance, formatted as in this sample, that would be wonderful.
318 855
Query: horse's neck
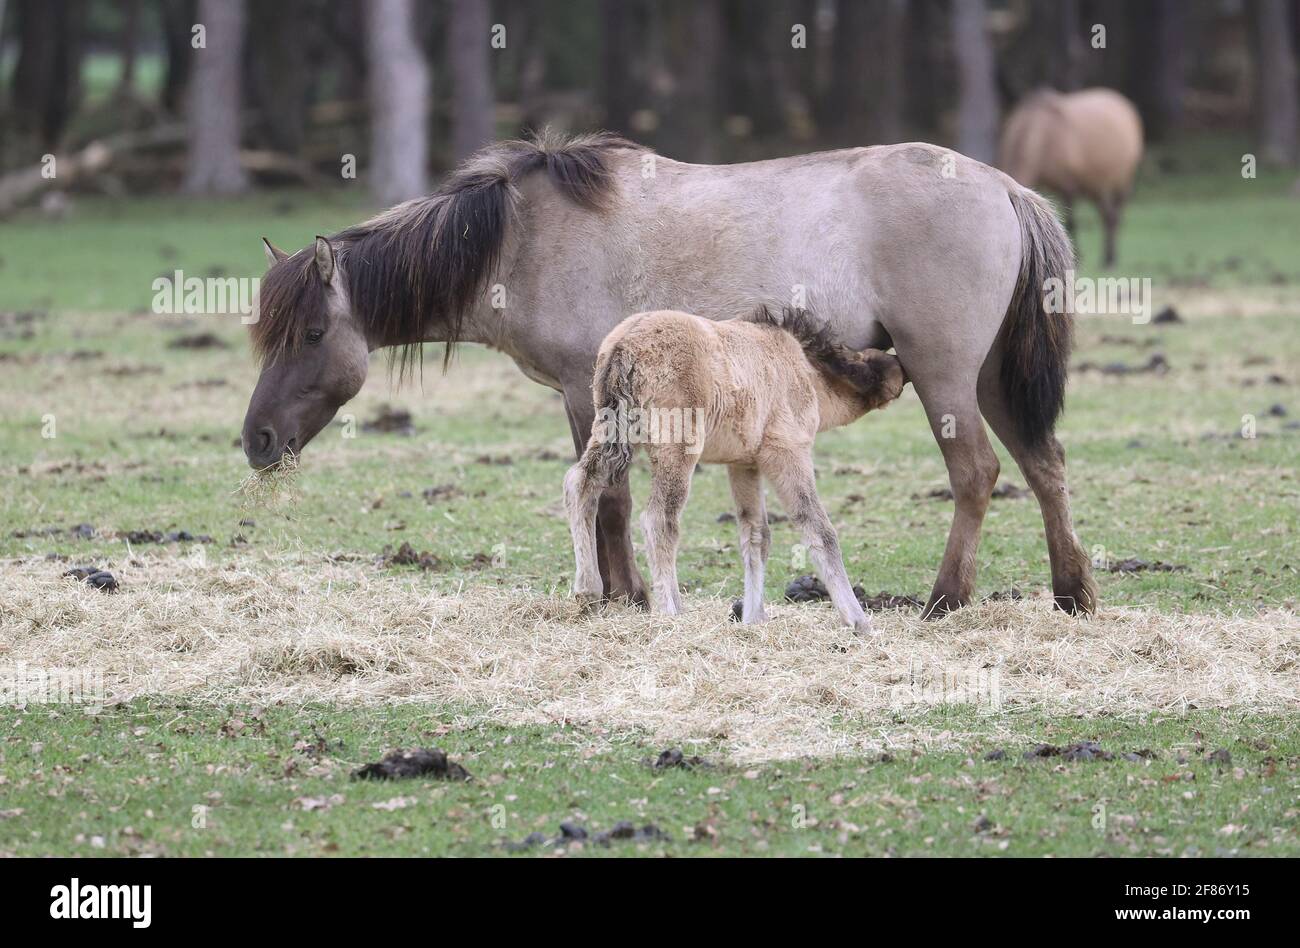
836 406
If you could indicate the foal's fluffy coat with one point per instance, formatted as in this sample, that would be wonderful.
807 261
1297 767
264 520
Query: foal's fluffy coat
751 394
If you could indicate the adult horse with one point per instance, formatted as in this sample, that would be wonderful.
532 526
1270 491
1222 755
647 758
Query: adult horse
539 248
1079 144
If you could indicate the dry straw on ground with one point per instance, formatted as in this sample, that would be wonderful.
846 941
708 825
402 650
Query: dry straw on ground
313 630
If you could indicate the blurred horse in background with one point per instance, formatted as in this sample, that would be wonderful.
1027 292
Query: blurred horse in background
1079 144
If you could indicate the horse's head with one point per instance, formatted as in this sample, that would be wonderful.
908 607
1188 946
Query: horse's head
313 350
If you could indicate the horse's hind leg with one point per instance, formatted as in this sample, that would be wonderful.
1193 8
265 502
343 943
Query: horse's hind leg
791 475
671 468
952 407
1043 466
755 536
1110 206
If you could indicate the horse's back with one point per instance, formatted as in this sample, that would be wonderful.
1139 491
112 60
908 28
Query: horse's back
1086 142
1109 131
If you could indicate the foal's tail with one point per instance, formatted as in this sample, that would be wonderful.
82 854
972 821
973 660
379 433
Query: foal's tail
609 451
1036 342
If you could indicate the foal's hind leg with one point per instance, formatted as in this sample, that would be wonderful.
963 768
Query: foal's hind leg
791 473
755 536
620 578
581 496
1043 465
671 468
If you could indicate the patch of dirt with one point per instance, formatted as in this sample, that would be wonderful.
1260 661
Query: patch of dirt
1142 566
159 536
1003 491
401 764
495 460
674 758
101 579
811 589
123 371
1140 343
407 555
1083 750
391 420
570 833
1167 317
1156 365
199 340
441 492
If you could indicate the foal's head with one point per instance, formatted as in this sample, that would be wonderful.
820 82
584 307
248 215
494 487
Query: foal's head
876 376
314 352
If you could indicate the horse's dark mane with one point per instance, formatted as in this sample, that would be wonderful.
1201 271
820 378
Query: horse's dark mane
430 259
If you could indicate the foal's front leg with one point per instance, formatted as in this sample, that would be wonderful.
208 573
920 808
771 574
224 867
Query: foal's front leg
791 474
755 536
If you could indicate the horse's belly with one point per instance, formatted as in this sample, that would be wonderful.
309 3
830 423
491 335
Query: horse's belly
726 445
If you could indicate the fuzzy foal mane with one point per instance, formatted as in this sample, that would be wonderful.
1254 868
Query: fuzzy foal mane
429 260
834 360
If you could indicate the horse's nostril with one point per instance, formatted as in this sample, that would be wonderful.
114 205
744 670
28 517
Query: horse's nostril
265 438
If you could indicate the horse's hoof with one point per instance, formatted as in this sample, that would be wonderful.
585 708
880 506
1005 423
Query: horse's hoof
941 604
864 627
737 611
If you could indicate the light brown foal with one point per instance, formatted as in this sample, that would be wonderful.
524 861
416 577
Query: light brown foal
751 394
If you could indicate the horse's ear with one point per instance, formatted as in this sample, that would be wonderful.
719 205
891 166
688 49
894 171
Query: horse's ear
324 259
273 253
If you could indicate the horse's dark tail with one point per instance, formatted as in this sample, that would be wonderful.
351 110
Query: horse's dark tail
609 451
1036 342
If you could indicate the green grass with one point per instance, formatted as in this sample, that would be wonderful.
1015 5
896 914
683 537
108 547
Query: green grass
1157 468
136 780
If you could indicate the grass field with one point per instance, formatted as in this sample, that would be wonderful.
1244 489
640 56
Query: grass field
247 676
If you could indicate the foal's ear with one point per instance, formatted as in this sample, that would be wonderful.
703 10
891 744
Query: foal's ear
273 253
324 259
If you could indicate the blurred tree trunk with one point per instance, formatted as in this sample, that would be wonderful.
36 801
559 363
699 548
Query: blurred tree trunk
697 97
128 40
279 74
399 102
1157 74
618 49
1275 104
177 19
977 101
1065 44
865 104
212 117
472 109
46 81
922 63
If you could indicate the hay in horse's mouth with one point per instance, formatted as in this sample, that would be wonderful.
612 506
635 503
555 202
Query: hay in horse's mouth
305 629
270 485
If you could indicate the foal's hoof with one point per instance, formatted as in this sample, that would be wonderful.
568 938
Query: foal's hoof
737 610
588 602
864 627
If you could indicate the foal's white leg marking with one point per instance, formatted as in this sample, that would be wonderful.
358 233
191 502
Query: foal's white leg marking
792 476
670 483
580 500
755 537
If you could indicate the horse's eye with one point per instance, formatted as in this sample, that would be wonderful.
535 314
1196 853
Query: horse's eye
314 335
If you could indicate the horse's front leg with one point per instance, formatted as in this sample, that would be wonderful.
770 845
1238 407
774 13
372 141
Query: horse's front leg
615 554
